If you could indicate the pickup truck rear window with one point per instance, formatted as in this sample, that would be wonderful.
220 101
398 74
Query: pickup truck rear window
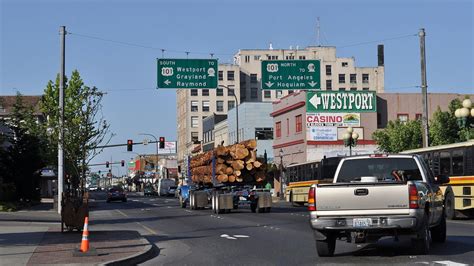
385 169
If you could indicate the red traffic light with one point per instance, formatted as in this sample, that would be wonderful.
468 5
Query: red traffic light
107 164
122 163
162 142
129 145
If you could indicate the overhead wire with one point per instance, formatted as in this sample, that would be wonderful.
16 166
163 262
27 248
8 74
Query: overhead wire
383 40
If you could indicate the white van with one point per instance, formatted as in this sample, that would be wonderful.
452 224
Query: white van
164 184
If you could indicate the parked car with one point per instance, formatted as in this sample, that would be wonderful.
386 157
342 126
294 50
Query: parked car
172 190
116 193
93 188
149 191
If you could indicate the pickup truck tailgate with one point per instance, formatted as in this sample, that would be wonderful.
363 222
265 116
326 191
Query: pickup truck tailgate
359 197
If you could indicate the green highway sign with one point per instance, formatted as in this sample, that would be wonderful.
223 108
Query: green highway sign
187 73
341 101
291 75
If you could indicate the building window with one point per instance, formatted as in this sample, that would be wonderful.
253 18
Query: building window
353 78
205 106
328 70
230 105
194 137
365 89
221 75
205 92
287 127
194 106
342 78
353 89
194 121
220 106
254 93
272 57
279 94
402 117
344 64
342 89
302 57
204 117
219 92
365 78
263 133
299 123
290 57
267 94
328 84
247 58
290 92
379 120
256 57
278 129
230 75
418 116
230 90
253 78
194 92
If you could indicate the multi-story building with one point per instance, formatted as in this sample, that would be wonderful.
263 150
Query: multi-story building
337 73
193 105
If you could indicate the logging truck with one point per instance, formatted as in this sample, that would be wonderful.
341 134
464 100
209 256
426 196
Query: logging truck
227 177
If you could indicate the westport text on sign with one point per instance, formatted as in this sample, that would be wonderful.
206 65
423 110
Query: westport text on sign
187 73
341 101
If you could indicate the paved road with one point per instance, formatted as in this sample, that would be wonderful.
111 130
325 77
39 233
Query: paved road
282 237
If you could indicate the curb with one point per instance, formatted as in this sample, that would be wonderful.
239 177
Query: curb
150 251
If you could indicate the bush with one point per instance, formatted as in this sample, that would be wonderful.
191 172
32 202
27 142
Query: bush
7 192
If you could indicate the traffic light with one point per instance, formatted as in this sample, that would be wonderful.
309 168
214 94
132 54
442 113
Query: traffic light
122 163
162 142
99 172
107 164
129 145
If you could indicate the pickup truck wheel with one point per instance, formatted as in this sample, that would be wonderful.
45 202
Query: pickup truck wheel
326 247
438 233
423 241
449 206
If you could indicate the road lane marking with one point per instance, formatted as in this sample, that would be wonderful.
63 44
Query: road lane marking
188 211
450 263
241 236
458 222
119 211
147 228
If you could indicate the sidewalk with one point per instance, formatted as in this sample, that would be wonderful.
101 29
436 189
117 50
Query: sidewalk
33 236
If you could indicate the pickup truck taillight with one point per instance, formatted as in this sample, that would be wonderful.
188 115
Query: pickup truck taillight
312 199
413 196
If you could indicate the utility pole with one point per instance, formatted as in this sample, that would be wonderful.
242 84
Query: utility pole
424 89
62 34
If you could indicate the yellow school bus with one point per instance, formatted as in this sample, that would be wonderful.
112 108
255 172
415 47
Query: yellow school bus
457 161
300 177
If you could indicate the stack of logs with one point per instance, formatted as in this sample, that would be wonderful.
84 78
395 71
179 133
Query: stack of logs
235 163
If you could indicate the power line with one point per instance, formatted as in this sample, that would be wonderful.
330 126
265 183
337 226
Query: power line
143 46
383 40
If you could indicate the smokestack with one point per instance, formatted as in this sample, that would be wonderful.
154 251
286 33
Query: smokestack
380 55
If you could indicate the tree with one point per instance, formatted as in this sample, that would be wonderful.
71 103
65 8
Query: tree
84 125
399 136
24 156
443 128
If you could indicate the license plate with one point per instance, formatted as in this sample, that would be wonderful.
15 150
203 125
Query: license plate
362 222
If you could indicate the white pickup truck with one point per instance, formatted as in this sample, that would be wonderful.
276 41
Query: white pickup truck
374 196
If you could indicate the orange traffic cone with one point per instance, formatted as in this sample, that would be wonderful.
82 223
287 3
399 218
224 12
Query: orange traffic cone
85 236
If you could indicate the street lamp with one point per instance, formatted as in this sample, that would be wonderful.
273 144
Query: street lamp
282 195
464 115
236 108
350 139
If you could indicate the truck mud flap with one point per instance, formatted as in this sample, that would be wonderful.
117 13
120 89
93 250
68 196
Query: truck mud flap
264 200
200 199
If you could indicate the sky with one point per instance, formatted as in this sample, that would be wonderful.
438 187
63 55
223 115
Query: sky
114 46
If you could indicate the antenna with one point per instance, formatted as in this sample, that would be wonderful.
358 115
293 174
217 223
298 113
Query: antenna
318 29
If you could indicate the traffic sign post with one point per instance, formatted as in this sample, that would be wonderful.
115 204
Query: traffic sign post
291 75
187 73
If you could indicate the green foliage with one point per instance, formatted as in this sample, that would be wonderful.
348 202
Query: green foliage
443 128
84 126
399 136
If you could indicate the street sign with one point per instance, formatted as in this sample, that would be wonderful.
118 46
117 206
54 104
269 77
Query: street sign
187 73
341 101
291 75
